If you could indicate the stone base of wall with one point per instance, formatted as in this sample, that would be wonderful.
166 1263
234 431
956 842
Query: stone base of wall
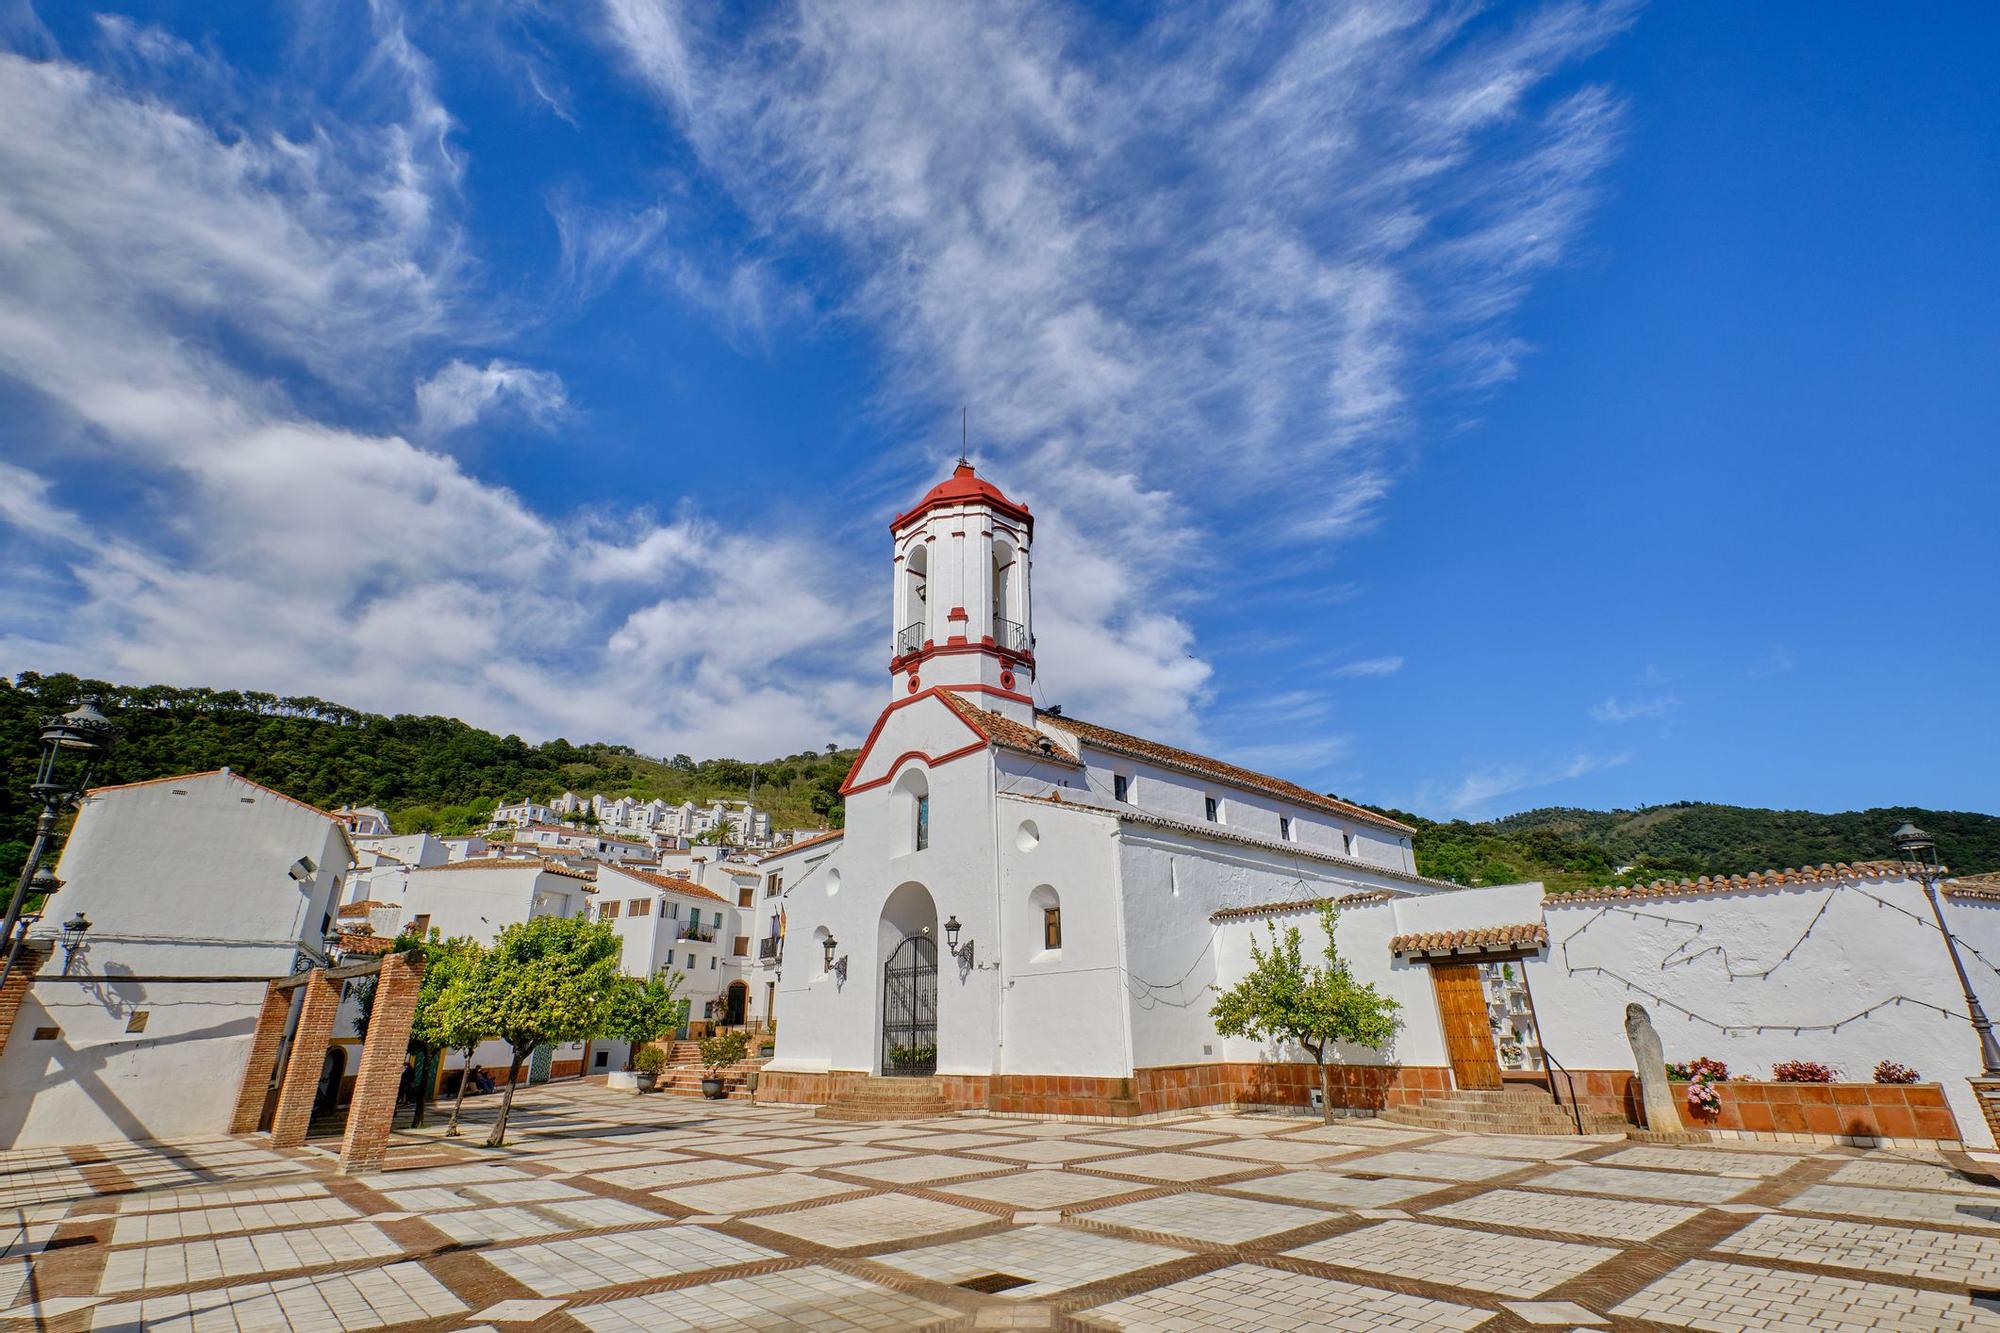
1156 1091
1831 1110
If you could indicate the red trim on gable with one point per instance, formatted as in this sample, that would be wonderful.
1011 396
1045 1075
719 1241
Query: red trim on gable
882 721
957 644
930 760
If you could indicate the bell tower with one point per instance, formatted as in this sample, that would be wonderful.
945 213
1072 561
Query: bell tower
964 616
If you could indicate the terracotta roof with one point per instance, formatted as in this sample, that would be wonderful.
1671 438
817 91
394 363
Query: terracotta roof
221 772
1104 738
1308 904
1763 879
962 486
1984 887
364 940
804 843
671 883
1126 814
1005 732
362 908
1479 939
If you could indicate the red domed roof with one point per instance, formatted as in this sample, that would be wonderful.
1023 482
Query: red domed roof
964 487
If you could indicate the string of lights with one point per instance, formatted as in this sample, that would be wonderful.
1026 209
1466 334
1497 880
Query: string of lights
1684 953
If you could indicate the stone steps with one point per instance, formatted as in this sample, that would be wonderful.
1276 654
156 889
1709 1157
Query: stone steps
1500 1111
889 1099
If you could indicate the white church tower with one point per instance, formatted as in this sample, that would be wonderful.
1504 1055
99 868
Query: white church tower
964 617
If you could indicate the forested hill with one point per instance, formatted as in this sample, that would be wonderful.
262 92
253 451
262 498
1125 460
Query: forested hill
427 772
438 773
1568 849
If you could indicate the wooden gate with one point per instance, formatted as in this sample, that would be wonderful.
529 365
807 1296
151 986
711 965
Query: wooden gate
1468 1035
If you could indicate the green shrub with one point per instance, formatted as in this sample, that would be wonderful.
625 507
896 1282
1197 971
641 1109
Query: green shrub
724 1048
651 1061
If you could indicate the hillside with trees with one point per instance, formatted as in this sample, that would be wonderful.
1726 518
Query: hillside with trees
432 773
438 773
1572 849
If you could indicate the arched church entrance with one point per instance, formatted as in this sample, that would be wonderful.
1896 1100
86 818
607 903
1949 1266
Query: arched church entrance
908 939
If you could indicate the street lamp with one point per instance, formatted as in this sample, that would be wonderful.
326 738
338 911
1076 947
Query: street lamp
73 931
70 745
963 953
1920 851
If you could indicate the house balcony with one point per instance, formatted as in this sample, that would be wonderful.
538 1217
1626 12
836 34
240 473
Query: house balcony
909 639
699 934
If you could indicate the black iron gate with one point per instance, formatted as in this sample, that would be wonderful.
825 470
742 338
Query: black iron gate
909 1009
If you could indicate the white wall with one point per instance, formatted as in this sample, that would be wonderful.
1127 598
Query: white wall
1174 882
183 878
1870 941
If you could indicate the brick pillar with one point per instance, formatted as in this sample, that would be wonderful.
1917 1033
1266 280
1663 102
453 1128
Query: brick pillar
26 963
264 1044
302 1066
372 1112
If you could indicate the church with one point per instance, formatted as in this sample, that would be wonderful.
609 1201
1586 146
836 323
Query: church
1021 909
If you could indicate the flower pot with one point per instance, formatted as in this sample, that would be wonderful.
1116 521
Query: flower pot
647 1082
711 1087
622 1080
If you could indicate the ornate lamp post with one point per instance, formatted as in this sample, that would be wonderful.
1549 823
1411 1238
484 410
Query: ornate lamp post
70 745
1920 851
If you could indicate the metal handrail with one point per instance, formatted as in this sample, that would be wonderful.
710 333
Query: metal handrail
1575 1112
1010 635
909 639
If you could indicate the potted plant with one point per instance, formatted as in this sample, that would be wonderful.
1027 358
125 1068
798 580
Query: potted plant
718 1052
650 1062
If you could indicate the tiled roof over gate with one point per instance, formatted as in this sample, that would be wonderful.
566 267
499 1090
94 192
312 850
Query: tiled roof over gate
1479 939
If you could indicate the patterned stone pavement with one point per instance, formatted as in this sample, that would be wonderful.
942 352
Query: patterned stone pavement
610 1211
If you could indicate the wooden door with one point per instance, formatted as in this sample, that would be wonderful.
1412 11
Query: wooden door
1468 1036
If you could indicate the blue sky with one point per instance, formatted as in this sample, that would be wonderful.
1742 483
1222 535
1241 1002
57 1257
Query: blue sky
1463 409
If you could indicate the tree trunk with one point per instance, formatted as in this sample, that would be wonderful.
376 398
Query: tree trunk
499 1134
420 1085
1325 1091
464 1077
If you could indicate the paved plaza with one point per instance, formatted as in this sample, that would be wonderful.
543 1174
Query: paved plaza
613 1212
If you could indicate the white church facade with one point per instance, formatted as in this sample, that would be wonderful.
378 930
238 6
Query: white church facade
1035 913
1021 901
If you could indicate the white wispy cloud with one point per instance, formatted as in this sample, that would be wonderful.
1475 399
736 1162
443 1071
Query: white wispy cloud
1369 666
1475 793
459 394
154 263
1220 260
1613 709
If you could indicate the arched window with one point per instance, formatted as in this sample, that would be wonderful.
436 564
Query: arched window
1007 631
1048 917
911 626
913 802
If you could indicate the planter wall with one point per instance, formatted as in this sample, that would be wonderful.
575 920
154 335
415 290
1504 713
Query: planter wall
1858 1110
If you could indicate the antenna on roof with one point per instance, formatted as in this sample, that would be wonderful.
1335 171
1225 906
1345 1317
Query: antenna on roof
964 433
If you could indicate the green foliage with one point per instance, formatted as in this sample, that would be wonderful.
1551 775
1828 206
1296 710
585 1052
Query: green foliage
443 1021
1286 998
725 1048
643 1011
1572 849
429 773
546 980
651 1061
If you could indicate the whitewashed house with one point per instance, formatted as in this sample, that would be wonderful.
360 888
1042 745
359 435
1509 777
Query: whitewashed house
198 889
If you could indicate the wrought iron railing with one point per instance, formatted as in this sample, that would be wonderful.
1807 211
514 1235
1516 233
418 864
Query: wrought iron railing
1012 636
700 934
768 949
1556 1067
909 639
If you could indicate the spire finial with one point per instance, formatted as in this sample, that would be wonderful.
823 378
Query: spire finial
964 420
